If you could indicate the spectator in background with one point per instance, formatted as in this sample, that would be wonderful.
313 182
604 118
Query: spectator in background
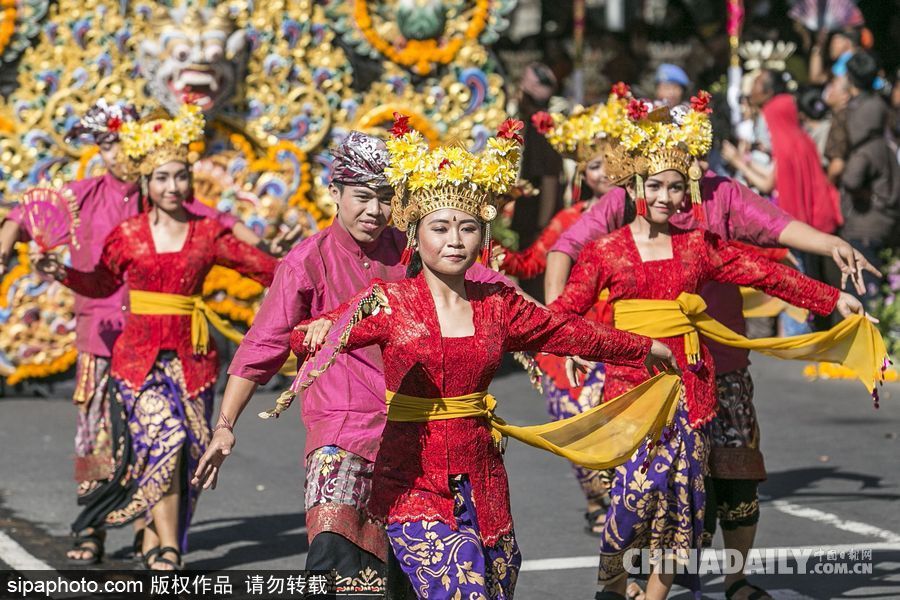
541 165
837 96
841 46
800 186
814 116
672 84
870 184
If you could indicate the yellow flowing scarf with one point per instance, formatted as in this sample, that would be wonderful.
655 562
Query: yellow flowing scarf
853 343
760 305
156 303
600 438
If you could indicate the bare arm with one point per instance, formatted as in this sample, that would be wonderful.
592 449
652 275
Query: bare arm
762 178
559 265
238 392
9 234
851 262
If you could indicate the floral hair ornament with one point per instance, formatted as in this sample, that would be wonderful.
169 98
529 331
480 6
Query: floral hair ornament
426 180
652 139
102 122
155 141
586 132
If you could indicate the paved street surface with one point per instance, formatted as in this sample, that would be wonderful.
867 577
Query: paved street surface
834 480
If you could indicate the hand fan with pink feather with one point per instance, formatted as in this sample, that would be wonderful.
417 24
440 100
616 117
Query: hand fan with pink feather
50 216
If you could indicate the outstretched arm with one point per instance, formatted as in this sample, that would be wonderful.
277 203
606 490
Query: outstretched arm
731 264
106 277
245 259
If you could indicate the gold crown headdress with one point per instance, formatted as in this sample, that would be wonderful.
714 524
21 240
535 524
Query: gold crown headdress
427 180
656 139
586 132
156 141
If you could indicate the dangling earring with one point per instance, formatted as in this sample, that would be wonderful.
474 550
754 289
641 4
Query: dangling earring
488 245
641 201
695 173
406 257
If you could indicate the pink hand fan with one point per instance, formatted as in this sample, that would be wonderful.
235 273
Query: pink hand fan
830 15
50 216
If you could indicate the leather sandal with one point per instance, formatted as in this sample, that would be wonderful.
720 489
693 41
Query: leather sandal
91 543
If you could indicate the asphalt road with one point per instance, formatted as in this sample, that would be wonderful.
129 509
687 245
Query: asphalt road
834 480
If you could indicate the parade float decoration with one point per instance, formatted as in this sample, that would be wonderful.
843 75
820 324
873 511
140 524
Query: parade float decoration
280 82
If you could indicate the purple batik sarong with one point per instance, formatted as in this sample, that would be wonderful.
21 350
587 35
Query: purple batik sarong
169 433
660 508
445 563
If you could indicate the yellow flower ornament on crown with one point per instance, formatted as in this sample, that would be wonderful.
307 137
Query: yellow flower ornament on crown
652 139
426 180
154 142
585 132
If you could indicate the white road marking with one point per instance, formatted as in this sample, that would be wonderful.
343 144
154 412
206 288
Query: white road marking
820 516
18 557
593 561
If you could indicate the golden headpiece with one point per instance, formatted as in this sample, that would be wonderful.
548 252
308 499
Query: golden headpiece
652 139
585 132
156 141
428 180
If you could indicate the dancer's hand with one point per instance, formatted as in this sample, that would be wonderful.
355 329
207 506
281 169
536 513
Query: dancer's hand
207 473
852 264
315 333
48 265
282 243
576 366
660 359
850 305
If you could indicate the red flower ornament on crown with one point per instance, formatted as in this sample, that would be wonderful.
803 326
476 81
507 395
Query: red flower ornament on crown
114 124
700 102
401 125
621 90
542 121
637 110
510 129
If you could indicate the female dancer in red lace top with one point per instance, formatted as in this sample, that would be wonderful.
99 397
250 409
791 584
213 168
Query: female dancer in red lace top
658 500
163 370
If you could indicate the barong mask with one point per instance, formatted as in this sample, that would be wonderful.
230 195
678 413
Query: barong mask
426 180
156 141
360 160
648 139
102 123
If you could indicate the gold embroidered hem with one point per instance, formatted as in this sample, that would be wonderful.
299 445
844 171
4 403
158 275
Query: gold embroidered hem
350 523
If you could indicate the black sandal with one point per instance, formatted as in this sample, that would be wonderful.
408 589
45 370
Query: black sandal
91 543
596 522
608 596
148 556
757 594
137 545
177 564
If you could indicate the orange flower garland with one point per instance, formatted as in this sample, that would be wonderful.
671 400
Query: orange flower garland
420 54
8 26
60 364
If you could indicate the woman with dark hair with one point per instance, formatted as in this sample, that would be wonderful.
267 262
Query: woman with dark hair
164 365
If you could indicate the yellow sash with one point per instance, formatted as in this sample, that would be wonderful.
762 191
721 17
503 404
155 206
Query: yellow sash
600 438
853 343
760 305
156 303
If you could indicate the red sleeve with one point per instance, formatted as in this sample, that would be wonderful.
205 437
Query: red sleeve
534 328
532 261
109 273
776 254
245 259
367 331
588 277
731 264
